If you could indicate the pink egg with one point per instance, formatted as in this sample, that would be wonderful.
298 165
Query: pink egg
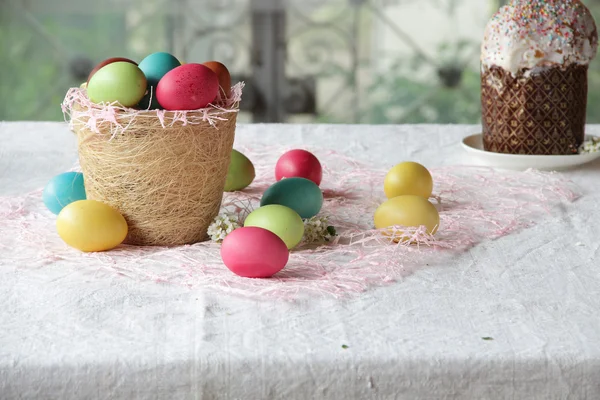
254 252
187 87
299 164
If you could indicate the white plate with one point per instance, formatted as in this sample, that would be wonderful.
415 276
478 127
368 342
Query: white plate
474 146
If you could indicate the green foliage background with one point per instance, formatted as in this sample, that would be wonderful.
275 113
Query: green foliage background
35 51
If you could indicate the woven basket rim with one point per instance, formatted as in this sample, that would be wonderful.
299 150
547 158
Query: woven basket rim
234 103
77 107
126 111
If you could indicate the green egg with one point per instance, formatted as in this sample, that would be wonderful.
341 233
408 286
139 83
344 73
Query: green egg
299 194
281 220
241 172
122 82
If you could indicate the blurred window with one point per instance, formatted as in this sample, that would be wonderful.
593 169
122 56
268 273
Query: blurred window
335 61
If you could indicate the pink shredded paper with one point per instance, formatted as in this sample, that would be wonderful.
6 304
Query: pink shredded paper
475 204
77 107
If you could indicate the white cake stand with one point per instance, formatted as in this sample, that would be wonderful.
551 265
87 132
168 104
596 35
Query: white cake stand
473 144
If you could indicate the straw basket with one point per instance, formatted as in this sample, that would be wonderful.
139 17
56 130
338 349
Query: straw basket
164 171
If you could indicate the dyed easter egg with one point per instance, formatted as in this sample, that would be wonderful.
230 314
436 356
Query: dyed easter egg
187 87
299 163
121 82
408 178
149 101
155 66
254 252
106 62
90 225
83 85
62 190
223 76
281 220
408 211
240 173
299 194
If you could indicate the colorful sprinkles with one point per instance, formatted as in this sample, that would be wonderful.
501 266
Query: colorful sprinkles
546 18
527 33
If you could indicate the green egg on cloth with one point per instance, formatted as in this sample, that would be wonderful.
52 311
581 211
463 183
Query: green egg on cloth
241 172
281 220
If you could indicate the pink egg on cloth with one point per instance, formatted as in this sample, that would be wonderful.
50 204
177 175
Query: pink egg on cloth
299 164
187 87
253 252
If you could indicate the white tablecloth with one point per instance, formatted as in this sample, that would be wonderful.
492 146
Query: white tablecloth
65 335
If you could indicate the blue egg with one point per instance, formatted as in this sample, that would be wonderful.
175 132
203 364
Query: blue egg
299 194
62 190
156 65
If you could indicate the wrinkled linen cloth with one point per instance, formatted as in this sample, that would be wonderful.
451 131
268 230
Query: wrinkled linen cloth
512 318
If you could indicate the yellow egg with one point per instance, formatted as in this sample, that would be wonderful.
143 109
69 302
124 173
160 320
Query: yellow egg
408 178
408 211
89 225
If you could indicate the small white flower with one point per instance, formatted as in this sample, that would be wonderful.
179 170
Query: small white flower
317 230
590 146
222 226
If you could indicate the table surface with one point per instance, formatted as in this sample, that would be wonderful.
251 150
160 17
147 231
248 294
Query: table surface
65 335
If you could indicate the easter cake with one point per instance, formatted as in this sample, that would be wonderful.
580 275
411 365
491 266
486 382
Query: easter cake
534 64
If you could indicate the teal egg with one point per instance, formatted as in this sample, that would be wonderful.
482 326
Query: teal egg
63 190
299 194
156 65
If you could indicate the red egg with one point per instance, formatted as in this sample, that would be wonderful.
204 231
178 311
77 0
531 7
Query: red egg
187 87
299 164
253 252
106 62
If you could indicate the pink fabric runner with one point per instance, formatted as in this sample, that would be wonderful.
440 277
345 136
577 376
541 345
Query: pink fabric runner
475 204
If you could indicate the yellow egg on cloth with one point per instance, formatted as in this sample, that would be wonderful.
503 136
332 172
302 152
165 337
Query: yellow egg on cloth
90 225
406 211
408 178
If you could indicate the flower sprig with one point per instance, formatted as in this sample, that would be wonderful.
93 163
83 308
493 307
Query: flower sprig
223 225
318 230
590 146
